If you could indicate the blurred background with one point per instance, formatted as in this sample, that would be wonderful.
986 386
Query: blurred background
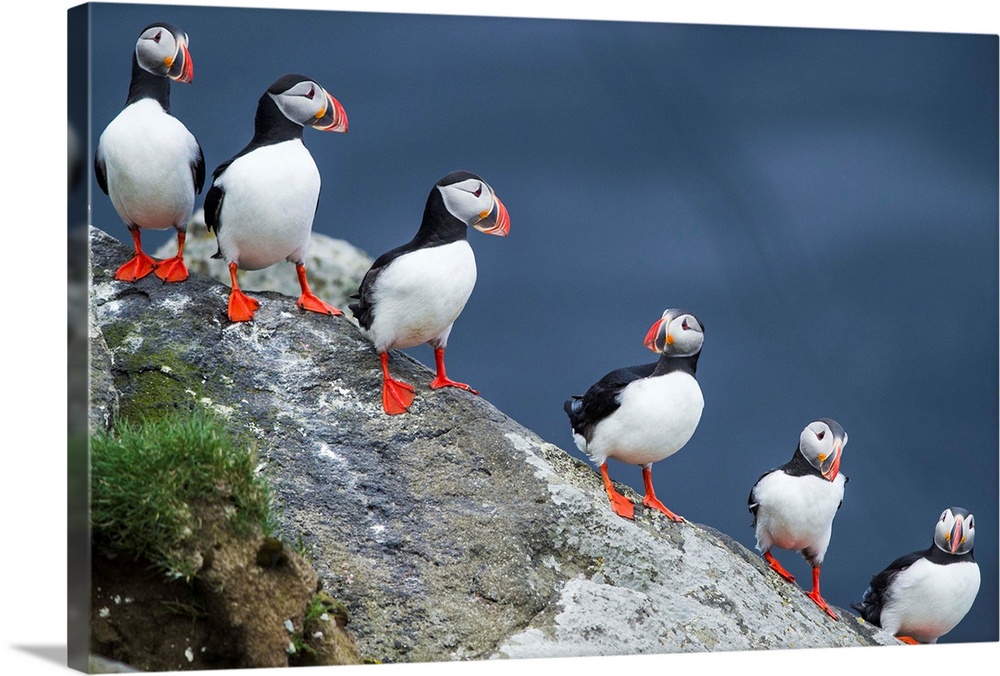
825 201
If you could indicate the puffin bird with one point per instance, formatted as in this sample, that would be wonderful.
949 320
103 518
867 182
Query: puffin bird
262 200
147 162
414 293
921 596
642 414
793 506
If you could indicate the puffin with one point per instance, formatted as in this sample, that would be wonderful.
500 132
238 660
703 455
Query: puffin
147 161
643 414
414 293
923 595
263 199
793 506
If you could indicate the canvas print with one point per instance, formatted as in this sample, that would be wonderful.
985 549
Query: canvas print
424 338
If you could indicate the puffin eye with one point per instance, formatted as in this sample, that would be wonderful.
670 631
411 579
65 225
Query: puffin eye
156 38
821 434
479 191
684 325
312 92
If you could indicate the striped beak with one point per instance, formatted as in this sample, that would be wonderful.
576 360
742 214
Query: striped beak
332 117
494 222
657 337
830 465
181 68
955 537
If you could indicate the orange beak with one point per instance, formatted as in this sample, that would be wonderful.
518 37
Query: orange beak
652 340
182 69
334 118
496 222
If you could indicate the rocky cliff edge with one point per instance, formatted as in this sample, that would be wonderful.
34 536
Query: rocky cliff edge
451 532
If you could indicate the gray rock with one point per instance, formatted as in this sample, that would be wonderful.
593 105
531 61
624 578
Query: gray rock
450 532
335 268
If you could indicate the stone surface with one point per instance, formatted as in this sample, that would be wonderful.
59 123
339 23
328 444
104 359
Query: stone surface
450 532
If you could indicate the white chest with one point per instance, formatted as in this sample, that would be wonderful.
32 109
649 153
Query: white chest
147 156
927 600
420 295
656 419
796 512
269 203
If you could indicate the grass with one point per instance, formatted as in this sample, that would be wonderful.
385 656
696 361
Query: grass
149 480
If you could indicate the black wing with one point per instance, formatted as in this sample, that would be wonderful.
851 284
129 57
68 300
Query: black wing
877 593
100 171
364 309
752 503
198 169
602 399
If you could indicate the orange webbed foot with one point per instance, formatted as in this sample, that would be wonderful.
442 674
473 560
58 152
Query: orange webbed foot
397 396
440 382
652 502
241 306
138 267
172 270
309 301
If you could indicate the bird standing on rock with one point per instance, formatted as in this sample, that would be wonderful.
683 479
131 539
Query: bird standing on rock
643 414
414 293
793 506
262 201
147 161
923 595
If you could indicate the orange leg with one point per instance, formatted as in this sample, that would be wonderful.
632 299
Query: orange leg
308 300
620 505
815 596
649 500
173 269
442 379
241 306
777 567
140 265
396 395
909 640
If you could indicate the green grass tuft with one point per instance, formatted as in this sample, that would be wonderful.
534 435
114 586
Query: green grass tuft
150 479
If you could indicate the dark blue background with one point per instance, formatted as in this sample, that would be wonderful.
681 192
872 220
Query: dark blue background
824 200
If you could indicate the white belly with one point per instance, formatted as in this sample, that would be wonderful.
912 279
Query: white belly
927 600
268 207
656 418
797 513
420 295
147 156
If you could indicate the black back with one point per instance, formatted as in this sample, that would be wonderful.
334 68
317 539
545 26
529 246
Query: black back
797 466
270 126
146 85
603 397
437 228
879 589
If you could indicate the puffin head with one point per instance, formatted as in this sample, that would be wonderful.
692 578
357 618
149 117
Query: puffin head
305 102
955 531
678 333
822 444
471 200
162 49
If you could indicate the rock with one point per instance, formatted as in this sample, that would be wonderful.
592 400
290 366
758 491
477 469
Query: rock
335 267
450 532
